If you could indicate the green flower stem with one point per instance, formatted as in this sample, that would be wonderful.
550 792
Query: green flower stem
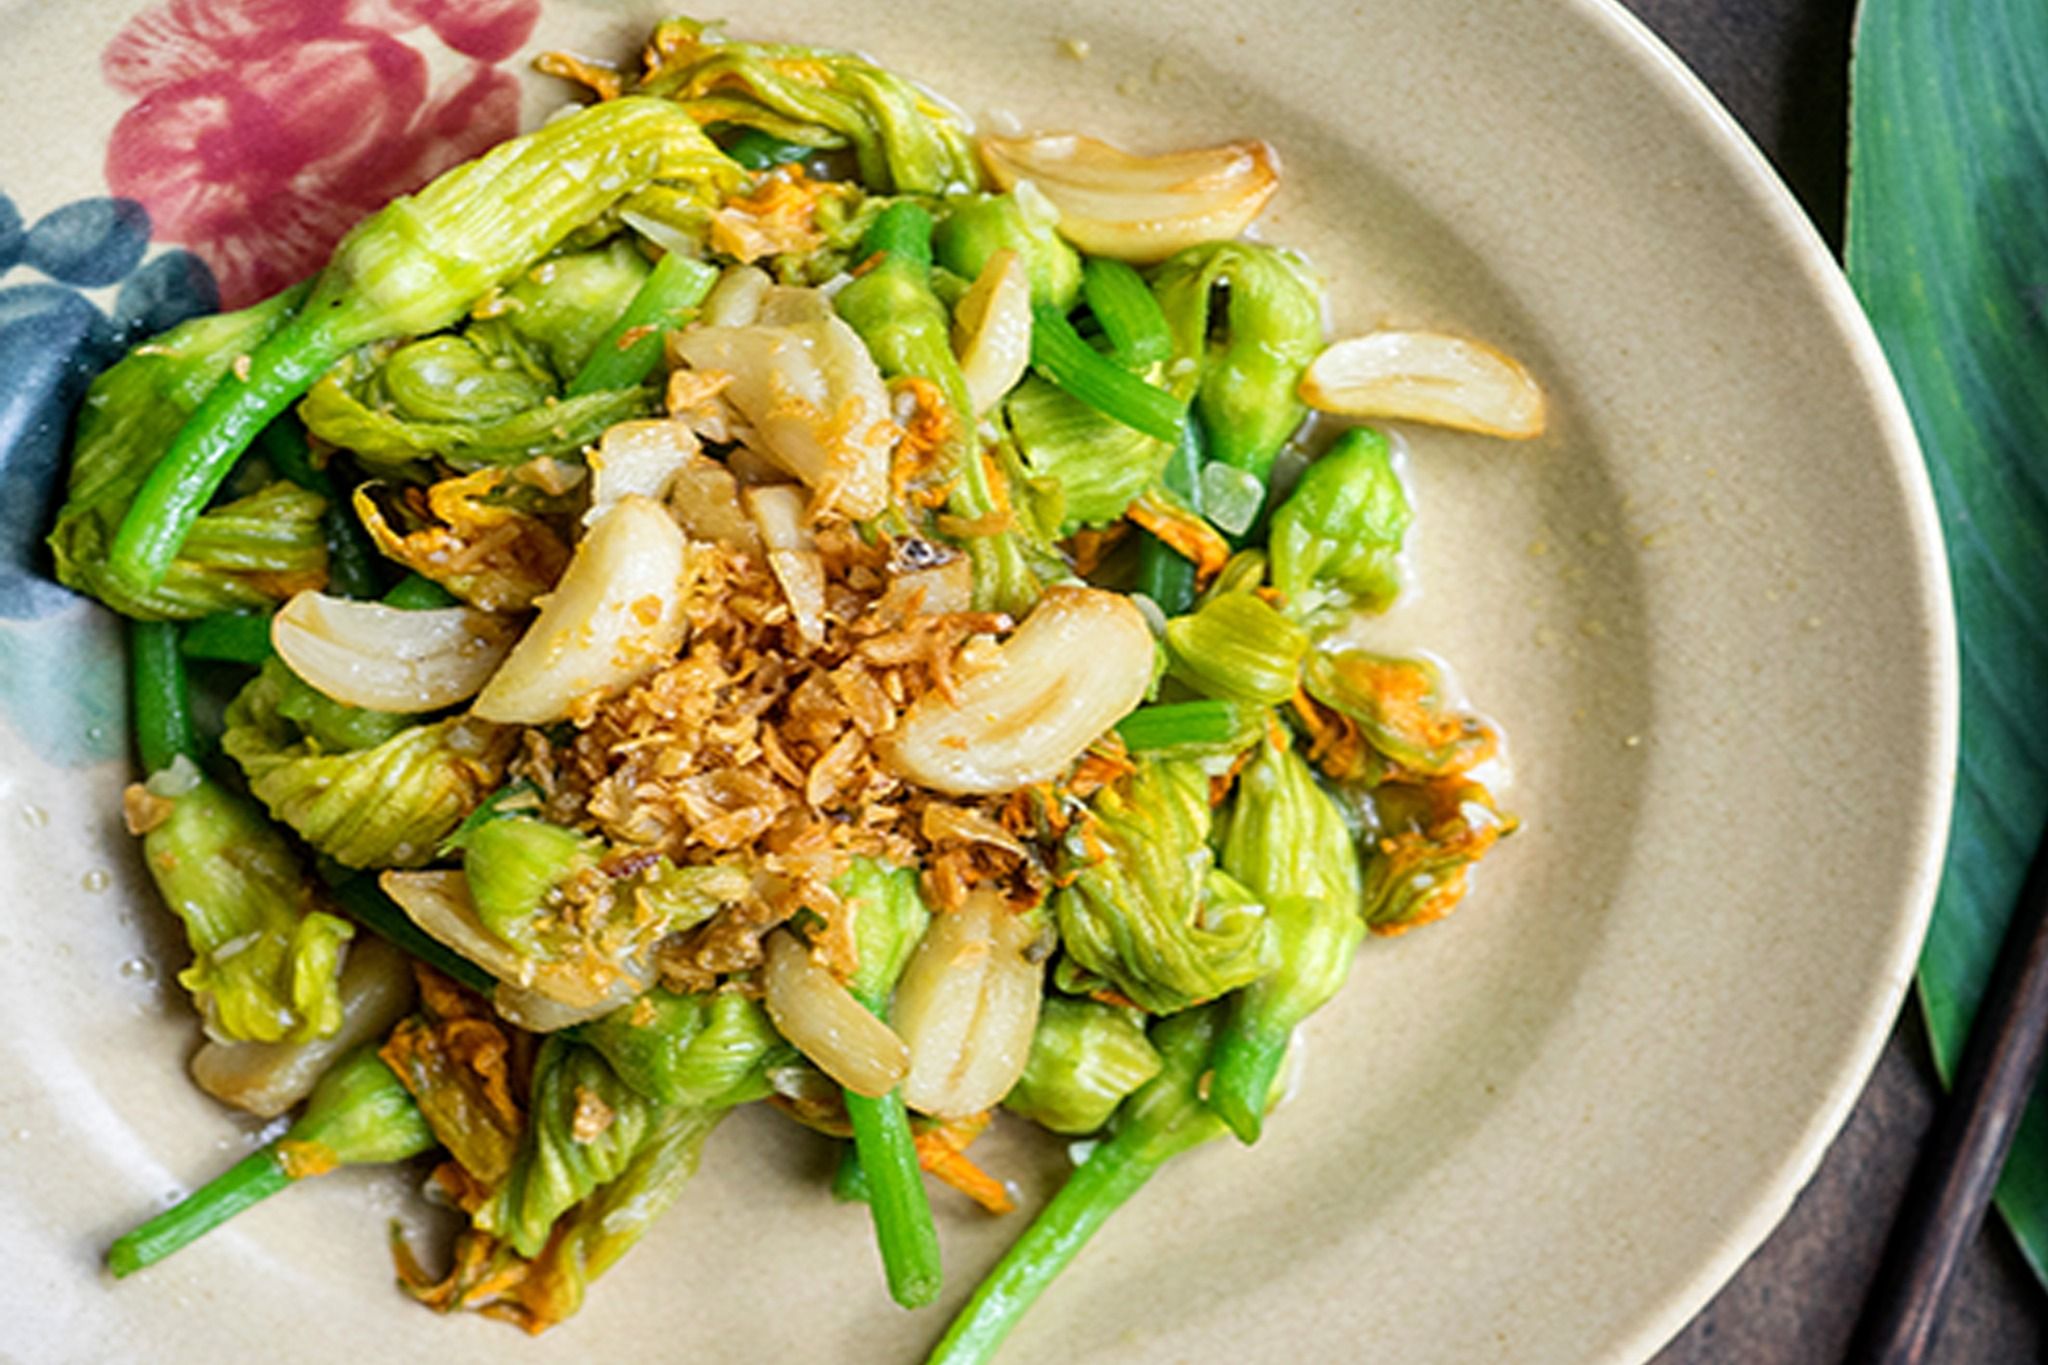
1128 312
891 1175
249 1181
1100 1186
207 446
904 1230
359 1114
1247 1061
161 699
416 592
622 359
228 638
1212 725
760 151
1059 353
1164 574
850 1180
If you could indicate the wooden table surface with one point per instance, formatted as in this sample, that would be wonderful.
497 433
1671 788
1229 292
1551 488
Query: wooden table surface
1781 67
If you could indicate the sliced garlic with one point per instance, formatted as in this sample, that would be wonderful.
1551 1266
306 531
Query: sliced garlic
1080 663
815 400
778 514
386 658
1432 377
823 1021
1139 208
735 301
615 617
637 457
705 499
992 329
966 1007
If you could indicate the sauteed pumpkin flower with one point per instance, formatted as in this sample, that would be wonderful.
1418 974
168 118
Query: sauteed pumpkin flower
749 593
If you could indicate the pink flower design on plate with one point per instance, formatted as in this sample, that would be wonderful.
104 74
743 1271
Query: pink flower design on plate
262 130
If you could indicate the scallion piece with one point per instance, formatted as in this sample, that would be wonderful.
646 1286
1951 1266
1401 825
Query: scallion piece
417 592
1164 574
1129 314
162 702
228 638
1059 353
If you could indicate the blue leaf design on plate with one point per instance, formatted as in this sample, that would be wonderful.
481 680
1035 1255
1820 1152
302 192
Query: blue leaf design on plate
12 238
175 286
52 342
89 242
60 674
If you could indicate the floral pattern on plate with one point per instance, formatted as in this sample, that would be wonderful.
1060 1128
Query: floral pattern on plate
262 130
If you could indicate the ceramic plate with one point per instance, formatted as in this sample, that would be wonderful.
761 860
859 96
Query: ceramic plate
1709 610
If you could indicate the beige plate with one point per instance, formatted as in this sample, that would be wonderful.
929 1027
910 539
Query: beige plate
1710 610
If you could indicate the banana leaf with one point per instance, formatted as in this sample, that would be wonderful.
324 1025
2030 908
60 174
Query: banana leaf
1948 248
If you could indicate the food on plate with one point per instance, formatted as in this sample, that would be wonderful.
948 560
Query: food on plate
749 592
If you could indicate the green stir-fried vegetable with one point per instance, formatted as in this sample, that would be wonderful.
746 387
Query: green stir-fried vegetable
753 615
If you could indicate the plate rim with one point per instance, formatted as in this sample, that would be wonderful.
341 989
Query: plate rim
1631 38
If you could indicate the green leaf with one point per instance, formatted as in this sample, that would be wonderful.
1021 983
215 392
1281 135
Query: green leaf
1948 249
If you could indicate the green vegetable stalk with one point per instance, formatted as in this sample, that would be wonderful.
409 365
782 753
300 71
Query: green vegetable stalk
889 919
908 331
1130 317
1241 369
757 151
1144 906
1288 842
1059 353
160 697
230 638
365 903
358 1115
1085 1058
1165 574
1159 1122
244 556
1338 536
415 266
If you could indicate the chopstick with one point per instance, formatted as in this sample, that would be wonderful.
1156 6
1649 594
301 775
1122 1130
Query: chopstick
1958 1169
